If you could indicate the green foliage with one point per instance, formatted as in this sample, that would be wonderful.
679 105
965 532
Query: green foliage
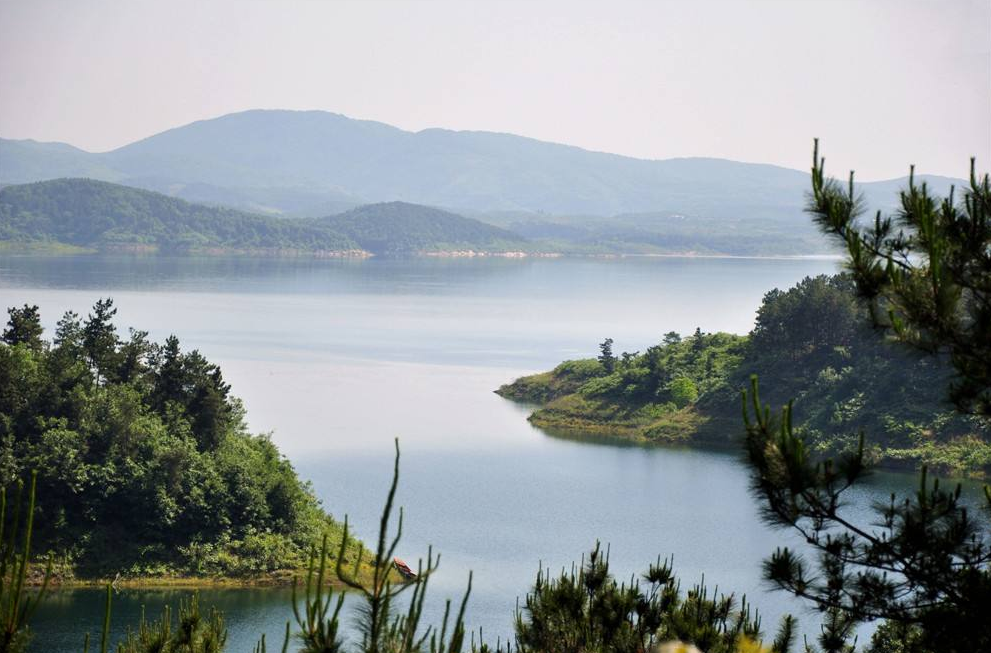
811 343
144 462
814 317
565 379
96 214
895 637
403 228
192 632
16 606
606 358
23 327
586 609
682 391
648 395
926 562
924 273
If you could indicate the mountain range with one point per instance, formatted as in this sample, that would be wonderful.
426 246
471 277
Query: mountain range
314 163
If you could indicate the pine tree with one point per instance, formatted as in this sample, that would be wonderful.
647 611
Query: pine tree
924 273
100 339
924 566
606 357
24 327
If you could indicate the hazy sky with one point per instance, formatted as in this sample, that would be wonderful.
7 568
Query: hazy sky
883 84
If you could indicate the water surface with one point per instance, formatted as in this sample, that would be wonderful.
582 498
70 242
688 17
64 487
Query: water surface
337 358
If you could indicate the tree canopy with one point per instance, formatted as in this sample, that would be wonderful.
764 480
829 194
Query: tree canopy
96 214
144 461
811 343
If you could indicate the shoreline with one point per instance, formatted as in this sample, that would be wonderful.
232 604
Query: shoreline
59 250
626 435
281 578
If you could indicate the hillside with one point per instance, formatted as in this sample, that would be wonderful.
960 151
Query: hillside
810 344
402 228
146 467
311 163
99 215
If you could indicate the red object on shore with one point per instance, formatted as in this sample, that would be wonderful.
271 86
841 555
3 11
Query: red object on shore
403 569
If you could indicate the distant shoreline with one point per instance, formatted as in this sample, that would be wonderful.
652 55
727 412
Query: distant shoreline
12 248
275 578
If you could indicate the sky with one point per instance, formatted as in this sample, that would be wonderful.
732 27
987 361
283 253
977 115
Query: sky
882 84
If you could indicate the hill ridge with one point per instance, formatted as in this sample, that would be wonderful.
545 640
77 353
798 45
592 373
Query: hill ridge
312 162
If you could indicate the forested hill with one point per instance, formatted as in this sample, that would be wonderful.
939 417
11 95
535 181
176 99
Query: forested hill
400 227
811 343
145 463
99 215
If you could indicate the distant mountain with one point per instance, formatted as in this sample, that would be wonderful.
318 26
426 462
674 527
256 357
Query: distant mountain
312 163
27 161
99 215
403 228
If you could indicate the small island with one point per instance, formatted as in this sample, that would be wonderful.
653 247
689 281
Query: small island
810 343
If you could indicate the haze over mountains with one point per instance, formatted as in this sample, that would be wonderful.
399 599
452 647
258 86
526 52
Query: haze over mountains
314 164
74 214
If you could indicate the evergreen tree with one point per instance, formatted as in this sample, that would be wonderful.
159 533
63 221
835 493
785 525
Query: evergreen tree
24 327
924 273
925 565
133 356
586 609
69 332
606 357
100 339
698 341
170 376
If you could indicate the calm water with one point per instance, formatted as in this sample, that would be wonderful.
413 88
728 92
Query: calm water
336 358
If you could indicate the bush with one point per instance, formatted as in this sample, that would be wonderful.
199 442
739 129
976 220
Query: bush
683 391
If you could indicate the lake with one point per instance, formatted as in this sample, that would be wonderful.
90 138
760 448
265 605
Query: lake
337 358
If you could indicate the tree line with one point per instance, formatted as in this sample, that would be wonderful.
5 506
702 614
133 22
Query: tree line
145 463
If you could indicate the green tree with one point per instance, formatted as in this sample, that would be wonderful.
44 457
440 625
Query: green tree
169 382
100 339
925 566
698 341
145 463
586 609
190 632
924 273
815 316
606 357
24 327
